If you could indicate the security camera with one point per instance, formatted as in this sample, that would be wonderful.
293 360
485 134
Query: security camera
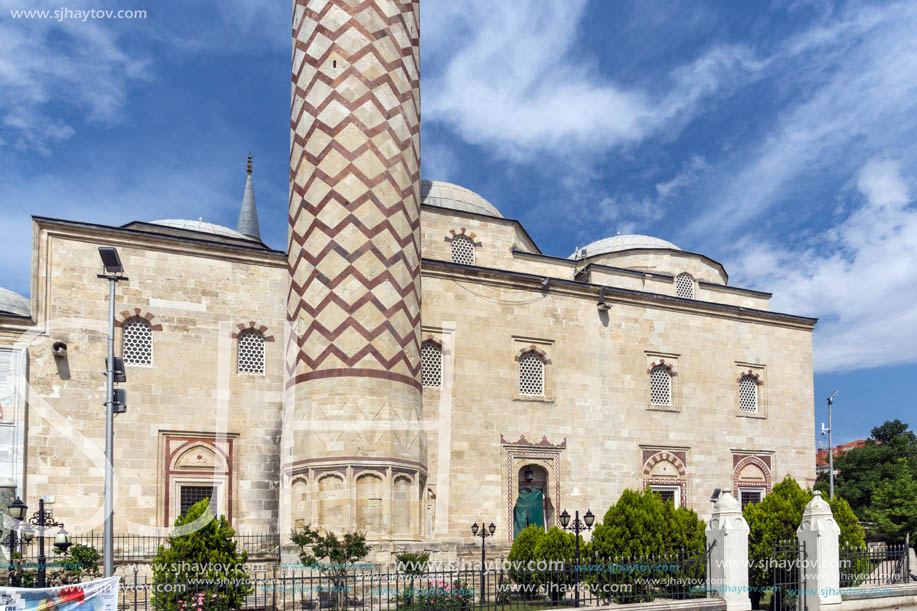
60 350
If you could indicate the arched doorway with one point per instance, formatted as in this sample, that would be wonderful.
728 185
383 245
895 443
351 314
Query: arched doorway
533 502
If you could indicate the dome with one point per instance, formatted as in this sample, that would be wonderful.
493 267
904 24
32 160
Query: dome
621 242
448 195
14 303
202 227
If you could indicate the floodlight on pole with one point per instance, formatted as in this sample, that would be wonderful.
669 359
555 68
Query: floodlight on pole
114 400
831 446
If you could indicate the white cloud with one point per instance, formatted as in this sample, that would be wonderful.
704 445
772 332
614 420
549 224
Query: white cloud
856 78
507 79
50 70
860 281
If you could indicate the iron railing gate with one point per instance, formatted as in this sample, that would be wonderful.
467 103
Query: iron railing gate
788 577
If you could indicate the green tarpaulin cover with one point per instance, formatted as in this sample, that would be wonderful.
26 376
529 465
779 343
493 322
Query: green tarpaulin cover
528 511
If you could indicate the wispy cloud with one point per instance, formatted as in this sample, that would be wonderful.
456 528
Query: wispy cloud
50 71
507 79
860 279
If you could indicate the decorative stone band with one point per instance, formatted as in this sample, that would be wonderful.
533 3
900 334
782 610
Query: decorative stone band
758 461
461 232
536 350
544 443
338 463
751 374
667 456
126 315
354 217
661 363
242 327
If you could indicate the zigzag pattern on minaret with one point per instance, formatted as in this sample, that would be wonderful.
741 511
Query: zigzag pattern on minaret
354 262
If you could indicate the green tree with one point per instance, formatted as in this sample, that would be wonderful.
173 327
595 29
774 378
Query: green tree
333 557
776 518
641 528
206 557
557 550
894 505
521 555
860 470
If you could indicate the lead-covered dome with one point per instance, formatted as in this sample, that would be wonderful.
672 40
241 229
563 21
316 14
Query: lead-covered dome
448 195
622 242
203 227
14 303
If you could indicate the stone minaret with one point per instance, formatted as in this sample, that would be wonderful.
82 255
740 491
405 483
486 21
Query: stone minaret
358 456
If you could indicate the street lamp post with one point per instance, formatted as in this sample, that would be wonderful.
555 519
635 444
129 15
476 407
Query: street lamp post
830 444
577 527
44 520
114 271
483 533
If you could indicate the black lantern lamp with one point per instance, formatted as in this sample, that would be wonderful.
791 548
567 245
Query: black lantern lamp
17 510
62 540
27 533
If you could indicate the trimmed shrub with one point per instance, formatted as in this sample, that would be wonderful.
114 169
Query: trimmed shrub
209 558
556 549
520 555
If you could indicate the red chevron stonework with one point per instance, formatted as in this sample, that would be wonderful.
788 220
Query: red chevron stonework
354 250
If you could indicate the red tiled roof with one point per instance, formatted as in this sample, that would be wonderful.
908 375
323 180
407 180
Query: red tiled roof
821 457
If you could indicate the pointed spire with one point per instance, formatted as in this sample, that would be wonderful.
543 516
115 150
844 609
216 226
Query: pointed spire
248 216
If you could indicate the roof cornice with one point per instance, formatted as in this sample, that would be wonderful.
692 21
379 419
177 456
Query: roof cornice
574 288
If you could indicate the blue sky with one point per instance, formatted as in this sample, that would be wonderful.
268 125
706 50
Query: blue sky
778 138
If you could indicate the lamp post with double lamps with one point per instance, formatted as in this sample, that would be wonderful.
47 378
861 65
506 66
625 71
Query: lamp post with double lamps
43 520
483 533
577 527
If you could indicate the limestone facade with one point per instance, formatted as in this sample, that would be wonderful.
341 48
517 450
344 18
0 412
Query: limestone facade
592 432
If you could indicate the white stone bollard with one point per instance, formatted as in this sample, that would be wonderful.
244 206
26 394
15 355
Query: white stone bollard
819 533
727 532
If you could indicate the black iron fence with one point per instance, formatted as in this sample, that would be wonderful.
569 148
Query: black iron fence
142 548
592 583
877 564
788 586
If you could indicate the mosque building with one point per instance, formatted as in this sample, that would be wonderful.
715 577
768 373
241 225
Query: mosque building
409 364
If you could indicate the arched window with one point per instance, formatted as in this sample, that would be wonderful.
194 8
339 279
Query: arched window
431 364
660 385
462 250
251 352
748 394
137 342
684 286
531 374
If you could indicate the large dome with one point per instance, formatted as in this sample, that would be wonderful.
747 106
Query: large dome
201 226
14 303
621 242
448 195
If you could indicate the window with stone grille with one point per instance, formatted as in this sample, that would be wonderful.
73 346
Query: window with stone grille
251 352
462 250
749 496
684 286
531 374
137 342
431 364
190 495
748 395
670 494
660 386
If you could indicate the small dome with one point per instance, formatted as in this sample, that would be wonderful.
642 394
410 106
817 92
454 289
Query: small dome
14 303
621 242
202 227
448 195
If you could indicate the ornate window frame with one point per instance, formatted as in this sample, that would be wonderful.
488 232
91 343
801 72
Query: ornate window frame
763 461
461 233
543 348
669 361
517 454
176 472
693 280
757 372
678 457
